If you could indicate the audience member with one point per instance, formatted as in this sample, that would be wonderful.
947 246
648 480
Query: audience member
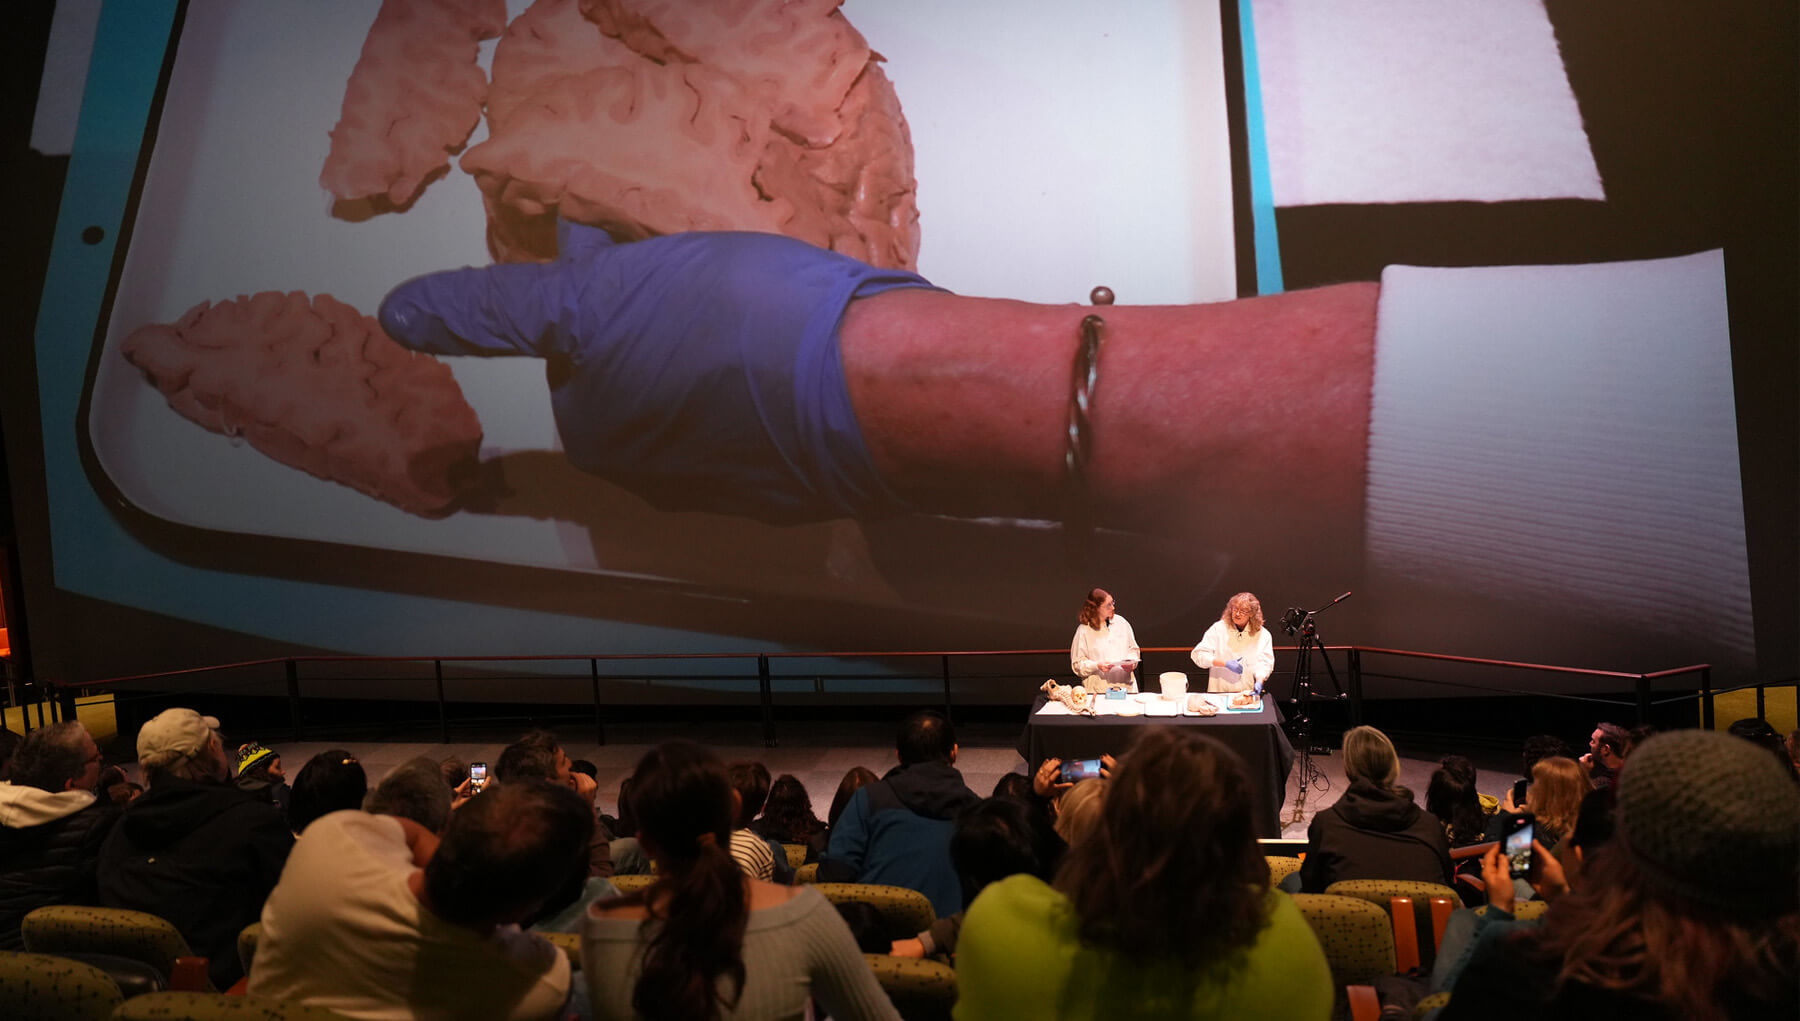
587 768
1078 810
1637 736
1793 748
1554 798
754 854
259 771
1452 798
1164 911
1014 785
855 779
412 790
116 787
194 849
705 940
51 825
539 756
376 918
897 829
1606 753
1758 731
1374 831
331 781
995 838
454 771
625 823
1690 912
788 818
9 743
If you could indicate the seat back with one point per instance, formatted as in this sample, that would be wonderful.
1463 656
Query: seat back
808 873
905 913
920 989
247 939
1280 867
569 943
218 1007
631 884
1357 937
1419 911
796 855
64 928
40 986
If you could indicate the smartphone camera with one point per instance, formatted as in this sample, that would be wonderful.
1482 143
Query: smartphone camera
1516 845
1520 786
1076 770
478 777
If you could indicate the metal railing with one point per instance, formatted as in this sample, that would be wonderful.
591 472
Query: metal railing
767 671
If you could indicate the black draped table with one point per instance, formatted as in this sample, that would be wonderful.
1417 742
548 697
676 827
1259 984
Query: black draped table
1257 737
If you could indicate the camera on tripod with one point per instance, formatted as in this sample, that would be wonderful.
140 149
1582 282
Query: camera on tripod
1293 620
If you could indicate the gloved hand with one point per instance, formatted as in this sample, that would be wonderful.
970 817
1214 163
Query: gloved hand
1236 666
699 370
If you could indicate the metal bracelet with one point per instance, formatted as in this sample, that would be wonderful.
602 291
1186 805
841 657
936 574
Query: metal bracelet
1078 524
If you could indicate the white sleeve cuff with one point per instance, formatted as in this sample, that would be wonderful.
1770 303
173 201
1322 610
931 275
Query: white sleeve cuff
1565 430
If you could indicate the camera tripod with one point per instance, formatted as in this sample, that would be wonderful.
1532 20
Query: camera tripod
1301 622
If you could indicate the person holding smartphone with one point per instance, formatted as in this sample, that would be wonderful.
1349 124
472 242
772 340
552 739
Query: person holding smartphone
1104 651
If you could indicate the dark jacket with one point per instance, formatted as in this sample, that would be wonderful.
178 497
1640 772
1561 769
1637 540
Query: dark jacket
202 855
1372 833
49 847
897 831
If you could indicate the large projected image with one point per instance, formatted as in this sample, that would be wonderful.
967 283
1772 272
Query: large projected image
655 325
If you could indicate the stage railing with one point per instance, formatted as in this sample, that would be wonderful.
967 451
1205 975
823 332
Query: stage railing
938 663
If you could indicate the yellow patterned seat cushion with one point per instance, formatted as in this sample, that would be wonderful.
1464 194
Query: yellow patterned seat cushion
915 986
1281 867
41 986
1357 936
905 912
138 935
218 1007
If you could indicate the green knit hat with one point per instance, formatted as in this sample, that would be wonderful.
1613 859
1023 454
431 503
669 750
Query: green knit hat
1713 819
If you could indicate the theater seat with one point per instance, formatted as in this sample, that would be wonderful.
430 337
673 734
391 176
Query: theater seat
1358 940
1420 912
919 989
246 943
905 913
808 873
630 884
1281 867
64 928
218 1007
796 855
42 987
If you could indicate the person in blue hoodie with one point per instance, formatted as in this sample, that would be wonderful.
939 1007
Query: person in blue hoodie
897 830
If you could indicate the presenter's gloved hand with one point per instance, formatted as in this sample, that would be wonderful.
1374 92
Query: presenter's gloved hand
699 370
1236 666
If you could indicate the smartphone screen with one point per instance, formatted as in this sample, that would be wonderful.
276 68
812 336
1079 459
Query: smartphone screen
1520 786
1080 769
477 776
1517 846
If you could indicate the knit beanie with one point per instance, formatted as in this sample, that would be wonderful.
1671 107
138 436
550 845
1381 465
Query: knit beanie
1712 819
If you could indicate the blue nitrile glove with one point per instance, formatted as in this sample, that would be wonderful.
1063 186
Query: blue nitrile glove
699 370
1236 666
1258 689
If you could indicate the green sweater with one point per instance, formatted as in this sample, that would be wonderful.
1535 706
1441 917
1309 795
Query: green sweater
1020 956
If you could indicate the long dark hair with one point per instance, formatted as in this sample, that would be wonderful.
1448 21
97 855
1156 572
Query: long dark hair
789 811
1174 845
1452 797
682 798
329 782
857 778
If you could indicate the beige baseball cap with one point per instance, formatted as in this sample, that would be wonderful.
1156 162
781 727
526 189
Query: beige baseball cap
174 734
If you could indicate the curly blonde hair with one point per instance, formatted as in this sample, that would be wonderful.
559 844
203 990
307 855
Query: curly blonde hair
1244 601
